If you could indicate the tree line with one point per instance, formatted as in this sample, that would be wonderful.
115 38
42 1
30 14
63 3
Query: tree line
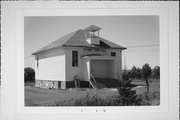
138 73
145 73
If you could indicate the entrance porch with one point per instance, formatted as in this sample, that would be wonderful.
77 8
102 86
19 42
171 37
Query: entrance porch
99 67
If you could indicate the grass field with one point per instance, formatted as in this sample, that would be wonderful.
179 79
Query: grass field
35 96
43 97
154 86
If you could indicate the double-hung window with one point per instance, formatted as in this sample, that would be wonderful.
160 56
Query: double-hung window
74 58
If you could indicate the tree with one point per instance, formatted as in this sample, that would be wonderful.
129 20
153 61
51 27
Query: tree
133 72
146 73
156 72
125 75
128 96
29 74
138 73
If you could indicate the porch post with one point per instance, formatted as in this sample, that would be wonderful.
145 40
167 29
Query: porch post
88 68
115 69
88 71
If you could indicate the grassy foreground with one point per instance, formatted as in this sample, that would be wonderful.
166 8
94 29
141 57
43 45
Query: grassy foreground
47 97
44 97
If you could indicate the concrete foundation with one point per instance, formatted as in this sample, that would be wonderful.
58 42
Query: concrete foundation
50 84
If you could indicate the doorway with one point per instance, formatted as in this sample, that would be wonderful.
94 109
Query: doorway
102 68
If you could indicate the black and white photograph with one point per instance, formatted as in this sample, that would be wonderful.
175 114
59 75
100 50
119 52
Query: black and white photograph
91 61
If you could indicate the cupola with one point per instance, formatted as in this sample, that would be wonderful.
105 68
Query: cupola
93 35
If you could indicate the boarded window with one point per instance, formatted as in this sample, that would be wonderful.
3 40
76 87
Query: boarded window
113 53
74 58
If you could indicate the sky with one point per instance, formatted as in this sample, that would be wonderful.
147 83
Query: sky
132 32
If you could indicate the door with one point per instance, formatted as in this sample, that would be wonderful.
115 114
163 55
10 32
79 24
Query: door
99 68
102 68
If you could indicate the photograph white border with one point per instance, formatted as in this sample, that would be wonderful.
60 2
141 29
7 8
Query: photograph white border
13 14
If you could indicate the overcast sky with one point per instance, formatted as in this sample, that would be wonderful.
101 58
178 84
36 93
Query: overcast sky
123 30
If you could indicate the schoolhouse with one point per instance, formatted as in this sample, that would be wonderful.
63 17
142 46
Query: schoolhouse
80 55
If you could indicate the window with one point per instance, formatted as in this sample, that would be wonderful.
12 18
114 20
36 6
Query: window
113 53
74 58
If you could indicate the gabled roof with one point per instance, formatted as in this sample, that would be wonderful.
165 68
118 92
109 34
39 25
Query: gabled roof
56 43
76 39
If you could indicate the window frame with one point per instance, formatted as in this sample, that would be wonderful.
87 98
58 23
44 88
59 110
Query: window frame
113 54
75 58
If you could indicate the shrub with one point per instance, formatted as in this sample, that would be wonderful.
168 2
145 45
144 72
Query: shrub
29 74
70 102
94 100
88 100
151 98
127 96
126 76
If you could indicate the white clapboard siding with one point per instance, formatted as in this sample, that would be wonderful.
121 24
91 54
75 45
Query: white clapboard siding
71 71
52 68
